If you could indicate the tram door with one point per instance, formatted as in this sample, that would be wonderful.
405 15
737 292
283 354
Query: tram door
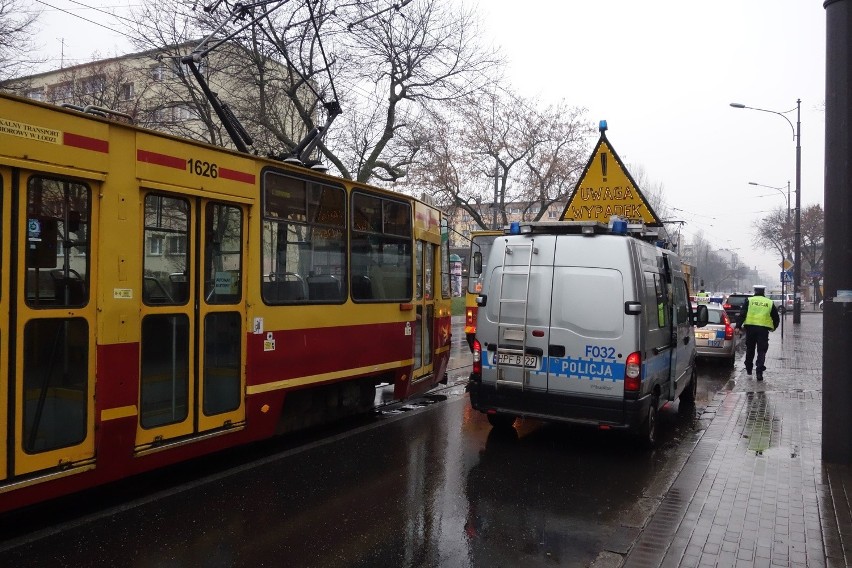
192 337
52 258
424 302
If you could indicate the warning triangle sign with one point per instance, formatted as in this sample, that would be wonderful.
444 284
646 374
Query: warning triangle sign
606 189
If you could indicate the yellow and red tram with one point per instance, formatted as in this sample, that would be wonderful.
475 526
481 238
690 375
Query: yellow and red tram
161 299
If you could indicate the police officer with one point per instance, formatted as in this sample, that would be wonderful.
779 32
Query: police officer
759 317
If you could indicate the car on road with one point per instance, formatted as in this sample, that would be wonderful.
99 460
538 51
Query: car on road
718 339
733 305
784 302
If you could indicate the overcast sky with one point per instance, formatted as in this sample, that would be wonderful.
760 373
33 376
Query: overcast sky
661 72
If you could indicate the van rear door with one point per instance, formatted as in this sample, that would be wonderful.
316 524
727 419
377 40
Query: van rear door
588 343
518 312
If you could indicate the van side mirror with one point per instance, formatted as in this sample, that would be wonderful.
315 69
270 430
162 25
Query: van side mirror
700 317
477 263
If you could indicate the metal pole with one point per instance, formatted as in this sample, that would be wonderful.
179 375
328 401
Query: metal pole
783 268
496 172
797 253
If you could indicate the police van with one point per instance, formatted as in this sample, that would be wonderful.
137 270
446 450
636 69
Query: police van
583 322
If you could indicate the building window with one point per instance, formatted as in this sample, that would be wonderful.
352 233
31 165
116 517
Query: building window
182 112
94 85
155 245
127 91
158 73
61 93
176 245
160 114
36 94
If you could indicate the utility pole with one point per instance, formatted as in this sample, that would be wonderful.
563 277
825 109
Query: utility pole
837 315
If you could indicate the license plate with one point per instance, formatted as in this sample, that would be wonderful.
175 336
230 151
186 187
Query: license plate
714 344
517 360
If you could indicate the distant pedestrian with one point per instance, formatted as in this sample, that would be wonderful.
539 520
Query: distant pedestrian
759 317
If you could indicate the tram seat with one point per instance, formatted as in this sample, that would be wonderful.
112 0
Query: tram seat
291 289
40 288
69 289
154 292
324 287
179 287
362 288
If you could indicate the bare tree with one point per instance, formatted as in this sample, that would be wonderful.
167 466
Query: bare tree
288 70
17 31
775 232
654 192
494 149
813 245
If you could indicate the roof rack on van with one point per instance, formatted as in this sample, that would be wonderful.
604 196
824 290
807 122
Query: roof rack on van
620 227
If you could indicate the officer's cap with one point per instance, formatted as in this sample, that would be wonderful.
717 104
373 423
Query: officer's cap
759 288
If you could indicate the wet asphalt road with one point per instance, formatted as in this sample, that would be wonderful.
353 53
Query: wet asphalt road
426 484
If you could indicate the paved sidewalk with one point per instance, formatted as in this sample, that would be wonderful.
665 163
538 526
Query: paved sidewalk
755 492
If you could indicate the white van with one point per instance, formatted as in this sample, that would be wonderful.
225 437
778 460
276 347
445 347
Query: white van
582 323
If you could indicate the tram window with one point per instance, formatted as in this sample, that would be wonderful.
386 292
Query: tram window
221 362
429 271
418 268
57 240
166 258
303 241
223 253
56 373
164 376
446 286
380 249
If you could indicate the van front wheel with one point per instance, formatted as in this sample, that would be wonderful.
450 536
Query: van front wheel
648 429
691 391
501 421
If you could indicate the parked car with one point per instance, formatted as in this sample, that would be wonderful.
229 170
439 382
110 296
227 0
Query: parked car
733 305
717 339
783 302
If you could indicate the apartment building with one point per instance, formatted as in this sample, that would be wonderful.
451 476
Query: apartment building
154 90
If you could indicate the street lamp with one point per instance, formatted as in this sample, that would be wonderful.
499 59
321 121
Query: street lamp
783 249
797 247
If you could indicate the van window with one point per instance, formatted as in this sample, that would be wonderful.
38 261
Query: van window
589 301
681 298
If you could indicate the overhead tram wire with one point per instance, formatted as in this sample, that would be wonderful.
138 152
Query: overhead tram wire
78 16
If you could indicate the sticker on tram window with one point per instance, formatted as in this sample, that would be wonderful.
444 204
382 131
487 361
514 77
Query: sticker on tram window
202 168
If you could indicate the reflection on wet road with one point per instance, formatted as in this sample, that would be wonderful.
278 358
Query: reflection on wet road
432 485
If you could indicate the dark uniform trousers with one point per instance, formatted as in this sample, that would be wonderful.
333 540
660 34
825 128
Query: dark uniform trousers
756 336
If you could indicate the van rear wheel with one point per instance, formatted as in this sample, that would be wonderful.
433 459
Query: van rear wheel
501 421
648 429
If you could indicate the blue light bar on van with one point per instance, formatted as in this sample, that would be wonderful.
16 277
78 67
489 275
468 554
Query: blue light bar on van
515 228
618 226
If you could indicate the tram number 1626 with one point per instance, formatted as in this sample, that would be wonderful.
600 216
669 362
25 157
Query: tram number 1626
202 168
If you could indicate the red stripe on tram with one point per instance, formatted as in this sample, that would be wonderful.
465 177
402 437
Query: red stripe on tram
160 159
236 175
85 142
